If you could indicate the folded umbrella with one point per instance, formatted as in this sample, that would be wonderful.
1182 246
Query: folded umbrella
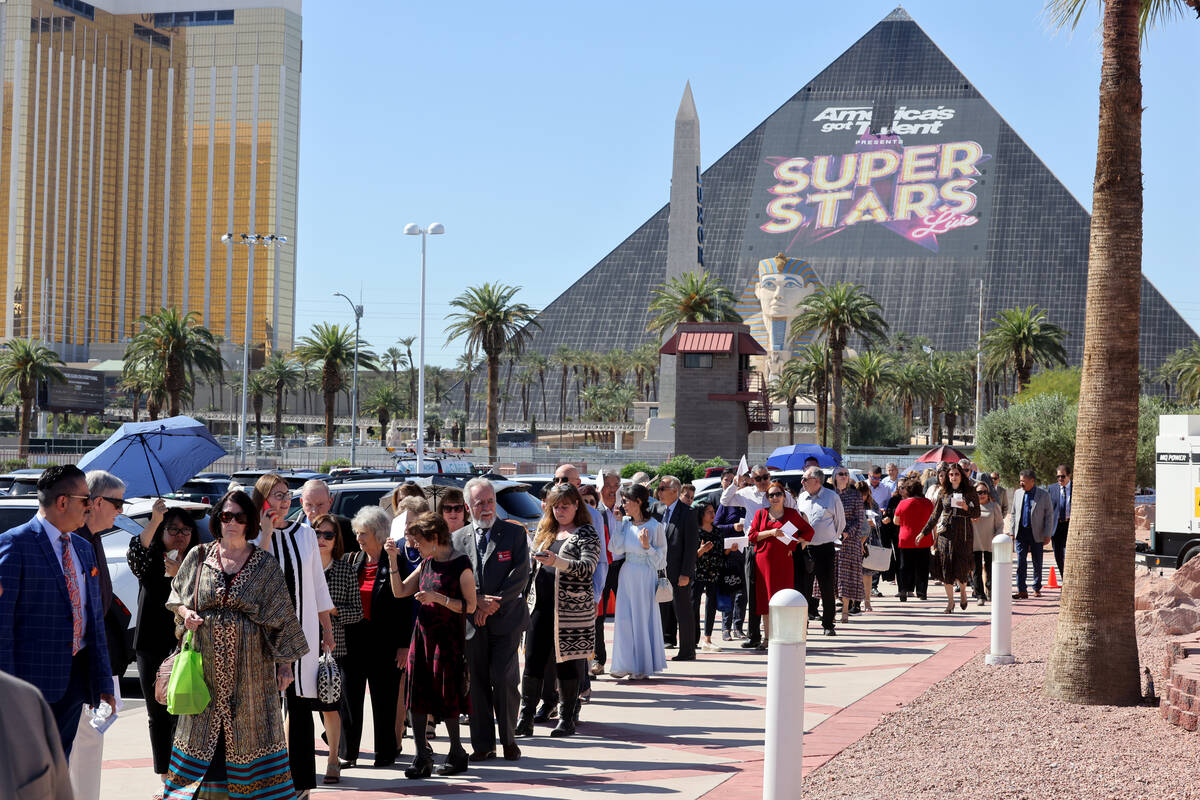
157 456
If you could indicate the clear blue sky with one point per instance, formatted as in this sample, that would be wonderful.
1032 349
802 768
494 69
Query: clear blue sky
540 133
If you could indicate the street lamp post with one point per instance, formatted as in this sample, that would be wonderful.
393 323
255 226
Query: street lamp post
250 240
358 311
929 350
413 229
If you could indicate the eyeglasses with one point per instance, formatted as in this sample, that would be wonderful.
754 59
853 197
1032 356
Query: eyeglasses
773 495
328 535
876 477
761 478
227 517
841 474
812 478
281 495
453 508
117 502
87 498
1062 477
176 530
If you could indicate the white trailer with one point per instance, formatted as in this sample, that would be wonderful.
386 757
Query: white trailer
1175 536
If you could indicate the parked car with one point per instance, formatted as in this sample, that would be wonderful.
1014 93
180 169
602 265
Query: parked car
8 478
245 479
202 490
16 511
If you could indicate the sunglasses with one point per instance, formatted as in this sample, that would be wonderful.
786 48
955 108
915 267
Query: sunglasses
841 474
175 530
227 517
453 508
773 495
761 478
561 480
1060 477
327 535
116 502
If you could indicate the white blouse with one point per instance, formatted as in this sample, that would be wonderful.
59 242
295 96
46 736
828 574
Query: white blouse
295 548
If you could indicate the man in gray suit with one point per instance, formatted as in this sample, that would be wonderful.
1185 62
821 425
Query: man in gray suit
33 765
1031 524
499 553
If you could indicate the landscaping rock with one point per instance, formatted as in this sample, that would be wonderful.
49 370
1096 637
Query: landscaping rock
1187 578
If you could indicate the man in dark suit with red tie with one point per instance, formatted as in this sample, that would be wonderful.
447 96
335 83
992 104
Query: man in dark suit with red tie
51 624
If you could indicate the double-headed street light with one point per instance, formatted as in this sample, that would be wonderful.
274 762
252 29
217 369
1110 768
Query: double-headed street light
413 229
358 312
250 240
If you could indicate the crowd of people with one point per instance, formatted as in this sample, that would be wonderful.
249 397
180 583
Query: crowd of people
429 606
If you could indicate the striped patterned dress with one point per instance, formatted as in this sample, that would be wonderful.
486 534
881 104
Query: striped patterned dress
249 627
575 609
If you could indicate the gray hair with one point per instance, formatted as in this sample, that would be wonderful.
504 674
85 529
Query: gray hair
375 520
814 472
100 482
641 478
606 472
669 482
892 465
476 483
313 485
413 505
758 468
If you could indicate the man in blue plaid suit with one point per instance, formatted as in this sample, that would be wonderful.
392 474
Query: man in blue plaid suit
41 639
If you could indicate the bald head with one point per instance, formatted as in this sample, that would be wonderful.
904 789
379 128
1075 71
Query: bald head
569 472
315 499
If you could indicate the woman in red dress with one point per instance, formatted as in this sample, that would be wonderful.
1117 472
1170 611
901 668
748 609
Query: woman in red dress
772 554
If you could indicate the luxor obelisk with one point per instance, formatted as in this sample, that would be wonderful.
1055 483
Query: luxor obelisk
685 241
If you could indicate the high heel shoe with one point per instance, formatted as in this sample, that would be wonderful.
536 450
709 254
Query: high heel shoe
456 762
950 607
422 766
962 604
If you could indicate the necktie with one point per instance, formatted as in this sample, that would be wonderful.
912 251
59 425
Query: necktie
1025 506
607 552
68 564
481 543
667 517
1067 503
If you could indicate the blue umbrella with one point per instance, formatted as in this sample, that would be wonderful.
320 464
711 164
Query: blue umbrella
157 456
792 456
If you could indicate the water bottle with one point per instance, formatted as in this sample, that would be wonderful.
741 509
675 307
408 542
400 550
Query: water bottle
102 716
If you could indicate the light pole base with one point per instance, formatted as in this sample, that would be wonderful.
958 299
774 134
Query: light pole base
999 661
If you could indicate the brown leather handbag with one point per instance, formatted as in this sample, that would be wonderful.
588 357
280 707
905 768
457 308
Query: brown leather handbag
163 676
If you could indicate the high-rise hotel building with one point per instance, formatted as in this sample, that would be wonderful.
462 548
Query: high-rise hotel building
133 133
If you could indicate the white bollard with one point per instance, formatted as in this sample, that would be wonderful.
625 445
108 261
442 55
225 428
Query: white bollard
1001 601
784 761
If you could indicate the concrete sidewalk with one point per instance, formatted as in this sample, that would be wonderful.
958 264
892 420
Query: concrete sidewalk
692 732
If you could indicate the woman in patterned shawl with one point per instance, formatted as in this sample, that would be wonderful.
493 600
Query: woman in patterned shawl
247 633
563 623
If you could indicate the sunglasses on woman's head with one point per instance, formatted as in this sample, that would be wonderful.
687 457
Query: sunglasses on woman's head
230 516
454 508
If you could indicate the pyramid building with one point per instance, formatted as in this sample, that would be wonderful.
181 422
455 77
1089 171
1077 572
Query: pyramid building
888 169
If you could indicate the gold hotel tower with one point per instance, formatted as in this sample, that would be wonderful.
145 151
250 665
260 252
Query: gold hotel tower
133 133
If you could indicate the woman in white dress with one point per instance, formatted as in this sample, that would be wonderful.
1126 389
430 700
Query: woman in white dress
294 546
637 631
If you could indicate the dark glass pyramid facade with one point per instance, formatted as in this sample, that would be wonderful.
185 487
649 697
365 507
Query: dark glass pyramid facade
888 169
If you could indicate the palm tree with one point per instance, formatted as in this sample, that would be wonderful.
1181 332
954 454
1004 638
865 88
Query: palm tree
1094 658
395 358
146 379
510 360
133 382
1021 338
525 380
257 389
281 374
333 347
874 372
469 363
382 402
537 362
690 297
812 362
790 382
910 386
488 320
835 312
563 358
178 346
407 342
26 363
1182 369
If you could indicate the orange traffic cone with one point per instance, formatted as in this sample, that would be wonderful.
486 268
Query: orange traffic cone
1053 584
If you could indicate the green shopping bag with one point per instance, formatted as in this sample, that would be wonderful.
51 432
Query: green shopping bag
186 691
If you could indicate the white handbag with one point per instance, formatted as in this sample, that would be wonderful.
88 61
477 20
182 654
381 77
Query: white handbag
663 592
878 558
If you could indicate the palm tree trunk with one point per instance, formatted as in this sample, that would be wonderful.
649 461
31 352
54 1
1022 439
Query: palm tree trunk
542 382
26 422
908 412
791 412
279 413
493 405
1094 658
937 425
822 409
330 399
835 356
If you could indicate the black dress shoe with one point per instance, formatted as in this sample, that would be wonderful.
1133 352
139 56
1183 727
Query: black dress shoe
353 762
829 631
512 752
482 755
682 657
456 763
750 644
422 766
